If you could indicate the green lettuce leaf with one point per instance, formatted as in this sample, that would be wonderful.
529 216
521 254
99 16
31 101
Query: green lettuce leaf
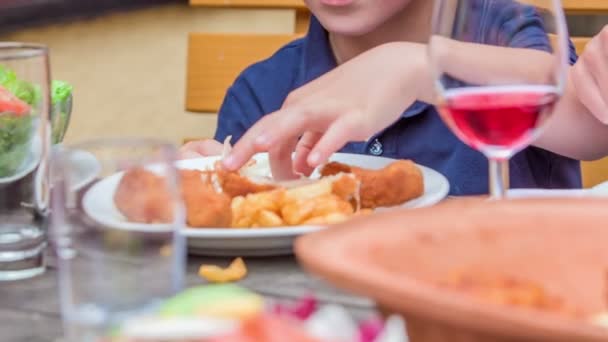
23 90
60 91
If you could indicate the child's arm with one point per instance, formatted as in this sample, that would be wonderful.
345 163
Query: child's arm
574 130
368 93
590 76
579 128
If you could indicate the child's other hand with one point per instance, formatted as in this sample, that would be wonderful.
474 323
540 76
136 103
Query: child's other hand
351 103
590 76
200 148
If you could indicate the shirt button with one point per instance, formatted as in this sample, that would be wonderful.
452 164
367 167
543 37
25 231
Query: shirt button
376 148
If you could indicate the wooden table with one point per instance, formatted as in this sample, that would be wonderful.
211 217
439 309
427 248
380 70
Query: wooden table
29 309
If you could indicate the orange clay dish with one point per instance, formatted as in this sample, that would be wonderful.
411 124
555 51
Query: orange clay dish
220 199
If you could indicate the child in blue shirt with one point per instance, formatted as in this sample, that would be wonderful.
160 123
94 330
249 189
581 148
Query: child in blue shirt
342 30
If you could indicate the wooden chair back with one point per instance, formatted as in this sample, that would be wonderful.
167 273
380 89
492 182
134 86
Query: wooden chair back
215 60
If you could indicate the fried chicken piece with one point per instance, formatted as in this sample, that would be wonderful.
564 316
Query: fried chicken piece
395 184
205 205
142 196
234 185
347 187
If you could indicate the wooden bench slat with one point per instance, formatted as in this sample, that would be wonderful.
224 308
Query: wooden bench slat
576 6
294 4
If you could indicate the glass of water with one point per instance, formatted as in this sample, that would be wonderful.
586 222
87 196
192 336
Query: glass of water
24 159
117 216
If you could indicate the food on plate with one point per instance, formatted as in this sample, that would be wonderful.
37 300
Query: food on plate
236 271
329 200
235 184
217 198
509 291
255 210
395 184
142 197
268 329
222 301
206 206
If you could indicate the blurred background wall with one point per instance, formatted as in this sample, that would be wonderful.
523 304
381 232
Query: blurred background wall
127 62
126 58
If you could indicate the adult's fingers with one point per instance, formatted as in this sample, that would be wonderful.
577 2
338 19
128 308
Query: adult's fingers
255 140
302 150
281 162
343 130
276 129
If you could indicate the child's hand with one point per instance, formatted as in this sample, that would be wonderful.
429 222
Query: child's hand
201 148
590 76
350 103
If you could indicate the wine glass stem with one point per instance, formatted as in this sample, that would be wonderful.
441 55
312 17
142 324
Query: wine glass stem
499 177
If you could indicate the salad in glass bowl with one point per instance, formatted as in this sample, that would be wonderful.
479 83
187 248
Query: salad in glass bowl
19 101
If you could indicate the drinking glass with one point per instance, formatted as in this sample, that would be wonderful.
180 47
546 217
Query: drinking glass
24 159
115 264
499 68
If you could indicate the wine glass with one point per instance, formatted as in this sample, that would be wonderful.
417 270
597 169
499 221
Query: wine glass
499 68
117 216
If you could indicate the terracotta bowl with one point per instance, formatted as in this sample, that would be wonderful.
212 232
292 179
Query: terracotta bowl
398 258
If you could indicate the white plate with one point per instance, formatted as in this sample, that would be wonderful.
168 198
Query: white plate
99 205
84 168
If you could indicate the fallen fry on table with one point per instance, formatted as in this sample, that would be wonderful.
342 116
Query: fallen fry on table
236 271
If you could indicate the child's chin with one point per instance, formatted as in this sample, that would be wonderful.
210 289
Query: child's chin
350 26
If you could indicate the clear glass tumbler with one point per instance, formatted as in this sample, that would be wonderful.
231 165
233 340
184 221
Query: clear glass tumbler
24 159
120 251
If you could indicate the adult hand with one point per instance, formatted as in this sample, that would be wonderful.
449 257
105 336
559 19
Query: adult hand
201 148
351 103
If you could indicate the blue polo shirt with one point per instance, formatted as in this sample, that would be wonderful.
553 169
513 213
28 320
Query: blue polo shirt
419 134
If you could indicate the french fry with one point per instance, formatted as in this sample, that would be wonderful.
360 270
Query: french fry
310 191
267 218
236 271
326 205
332 218
300 211
257 210
326 201
296 211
